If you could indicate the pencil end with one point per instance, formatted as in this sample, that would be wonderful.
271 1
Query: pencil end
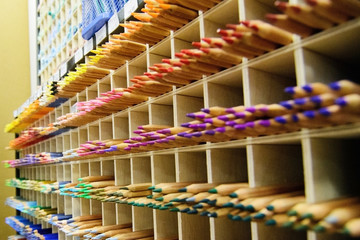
236 218
345 231
270 222
158 190
319 229
270 207
331 219
307 215
291 213
185 210
198 205
228 204
301 228
250 208
233 195
192 211
259 216
239 206
204 213
247 219
214 215
159 199
287 224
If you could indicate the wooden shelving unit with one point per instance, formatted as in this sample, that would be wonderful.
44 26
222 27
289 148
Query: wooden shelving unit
59 35
324 159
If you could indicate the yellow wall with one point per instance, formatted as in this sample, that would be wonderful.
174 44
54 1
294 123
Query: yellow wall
14 87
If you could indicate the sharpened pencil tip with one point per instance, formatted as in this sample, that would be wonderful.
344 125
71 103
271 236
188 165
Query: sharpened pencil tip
174 210
233 195
214 215
247 219
301 228
306 215
158 190
205 110
259 216
182 190
331 219
213 190
319 228
239 206
270 222
292 213
185 210
198 205
289 90
204 213
192 211
191 199
250 208
270 207
228 204
345 231
236 218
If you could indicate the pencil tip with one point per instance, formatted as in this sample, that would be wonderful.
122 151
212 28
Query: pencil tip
250 208
182 189
247 219
259 216
214 215
331 219
205 110
307 215
233 195
270 222
292 213
345 231
319 228
185 210
287 224
159 199
290 90
174 210
190 199
198 205
239 206
236 218
335 86
228 204
164 208
204 213
301 228
270 207
192 211
158 190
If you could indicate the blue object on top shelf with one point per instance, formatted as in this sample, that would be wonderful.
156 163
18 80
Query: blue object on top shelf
96 13
57 102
